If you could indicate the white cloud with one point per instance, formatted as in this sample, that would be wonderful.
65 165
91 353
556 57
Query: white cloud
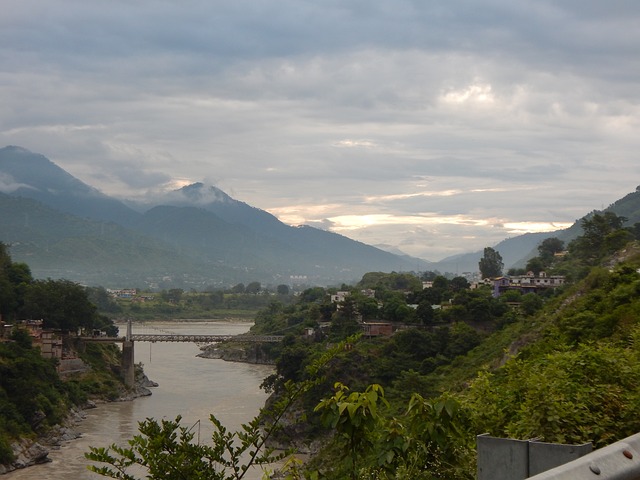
439 128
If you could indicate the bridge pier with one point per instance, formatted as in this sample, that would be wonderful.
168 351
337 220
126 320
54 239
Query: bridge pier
128 359
128 363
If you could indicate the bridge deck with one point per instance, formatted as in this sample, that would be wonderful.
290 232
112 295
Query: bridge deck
142 337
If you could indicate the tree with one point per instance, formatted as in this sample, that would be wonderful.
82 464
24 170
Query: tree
531 303
282 289
490 264
395 308
588 393
459 283
602 234
60 303
548 248
173 295
535 265
427 441
429 275
367 306
425 312
253 288
355 417
314 294
101 299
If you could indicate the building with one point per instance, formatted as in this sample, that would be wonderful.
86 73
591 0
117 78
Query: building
529 283
122 292
377 329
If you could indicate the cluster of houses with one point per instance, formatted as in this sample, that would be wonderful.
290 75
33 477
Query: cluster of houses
52 344
528 283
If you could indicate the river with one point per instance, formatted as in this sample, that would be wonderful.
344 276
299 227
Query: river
189 386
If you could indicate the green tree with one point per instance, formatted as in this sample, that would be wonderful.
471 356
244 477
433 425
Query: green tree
535 265
367 307
490 264
282 289
425 312
60 303
355 417
390 281
602 234
531 303
253 288
315 294
102 300
548 248
429 440
459 283
395 308
173 295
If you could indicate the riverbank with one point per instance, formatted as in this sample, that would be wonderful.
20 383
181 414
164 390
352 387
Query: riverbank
254 353
29 452
188 386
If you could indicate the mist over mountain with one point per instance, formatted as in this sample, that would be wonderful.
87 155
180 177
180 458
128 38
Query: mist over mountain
517 250
31 175
193 237
196 236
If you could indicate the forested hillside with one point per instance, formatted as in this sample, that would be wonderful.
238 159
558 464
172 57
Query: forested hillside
33 397
562 367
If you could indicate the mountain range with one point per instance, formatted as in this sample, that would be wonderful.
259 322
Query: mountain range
194 237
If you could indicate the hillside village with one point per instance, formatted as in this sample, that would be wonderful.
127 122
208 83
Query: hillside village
54 344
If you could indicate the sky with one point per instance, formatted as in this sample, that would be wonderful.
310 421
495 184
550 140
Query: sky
433 127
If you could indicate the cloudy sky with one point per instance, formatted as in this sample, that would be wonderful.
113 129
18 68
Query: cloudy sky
435 127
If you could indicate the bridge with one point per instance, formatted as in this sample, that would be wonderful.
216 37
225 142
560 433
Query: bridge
129 340
144 337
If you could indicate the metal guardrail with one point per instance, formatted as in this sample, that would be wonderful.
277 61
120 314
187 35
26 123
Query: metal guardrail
618 461
512 459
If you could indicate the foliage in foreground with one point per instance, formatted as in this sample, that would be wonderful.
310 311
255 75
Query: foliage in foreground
429 440
164 451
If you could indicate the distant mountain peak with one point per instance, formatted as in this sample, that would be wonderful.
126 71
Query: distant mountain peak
16 149
33 175
37 172
200 194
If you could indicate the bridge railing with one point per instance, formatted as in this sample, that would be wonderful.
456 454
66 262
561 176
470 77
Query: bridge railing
142 337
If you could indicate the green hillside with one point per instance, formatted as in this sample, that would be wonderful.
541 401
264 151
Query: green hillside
59 245
565 371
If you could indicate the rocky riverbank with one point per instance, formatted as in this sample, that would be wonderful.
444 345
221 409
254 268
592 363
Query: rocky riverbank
238 352
28 452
